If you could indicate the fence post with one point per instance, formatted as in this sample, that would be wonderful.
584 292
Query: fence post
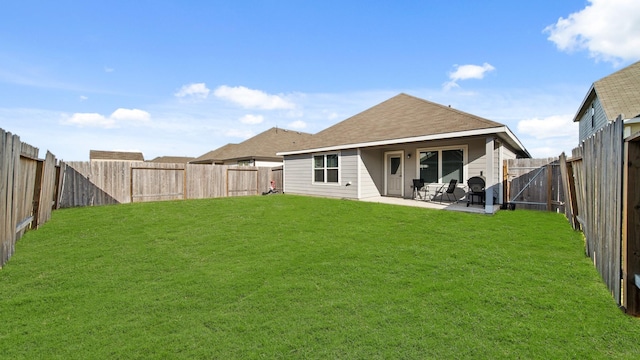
549 186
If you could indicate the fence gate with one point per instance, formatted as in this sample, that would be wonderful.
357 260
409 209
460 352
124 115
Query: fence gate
534 184
156 184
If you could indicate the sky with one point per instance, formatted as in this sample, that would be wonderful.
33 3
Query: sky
184 77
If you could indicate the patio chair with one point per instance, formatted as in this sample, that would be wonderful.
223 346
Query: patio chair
449 190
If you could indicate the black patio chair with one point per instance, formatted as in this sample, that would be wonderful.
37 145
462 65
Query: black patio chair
449 190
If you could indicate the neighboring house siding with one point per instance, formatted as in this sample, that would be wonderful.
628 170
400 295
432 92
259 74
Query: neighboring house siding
631 129
299 176
600 120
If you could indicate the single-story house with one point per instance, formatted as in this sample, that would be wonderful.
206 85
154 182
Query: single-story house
613 95
379 152
260 150
101 155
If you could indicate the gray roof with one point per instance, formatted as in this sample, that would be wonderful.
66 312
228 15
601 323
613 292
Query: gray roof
619 93
115 155
400 118
172 159
263 146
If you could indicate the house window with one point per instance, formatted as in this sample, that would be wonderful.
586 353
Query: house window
325 168
245 162
593 115
442 165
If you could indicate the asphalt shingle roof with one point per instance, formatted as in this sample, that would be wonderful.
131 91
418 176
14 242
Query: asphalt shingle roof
115 155
403 116
619 93
262 146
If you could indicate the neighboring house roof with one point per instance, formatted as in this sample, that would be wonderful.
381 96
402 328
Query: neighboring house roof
404 118
619 93
216 156
115 155
263 146
172 159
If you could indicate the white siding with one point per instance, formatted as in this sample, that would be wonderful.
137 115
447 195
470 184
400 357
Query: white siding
477 162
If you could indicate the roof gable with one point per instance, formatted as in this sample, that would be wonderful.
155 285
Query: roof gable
619 93
401 117
262 146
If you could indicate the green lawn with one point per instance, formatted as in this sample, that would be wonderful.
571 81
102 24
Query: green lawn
296 277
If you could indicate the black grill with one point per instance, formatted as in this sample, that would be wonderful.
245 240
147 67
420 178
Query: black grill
476 189
476 184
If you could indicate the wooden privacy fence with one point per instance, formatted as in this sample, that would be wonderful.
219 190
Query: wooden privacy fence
600 182
534 184
112 182
28 186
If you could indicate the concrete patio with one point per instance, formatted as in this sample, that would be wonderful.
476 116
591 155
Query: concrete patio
455 206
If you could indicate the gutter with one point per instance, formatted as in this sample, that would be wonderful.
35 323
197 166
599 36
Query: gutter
467 133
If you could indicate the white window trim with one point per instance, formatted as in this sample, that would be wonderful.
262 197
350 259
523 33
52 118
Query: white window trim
313 168
439 149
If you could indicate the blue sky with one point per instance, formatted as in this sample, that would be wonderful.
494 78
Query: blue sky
184 77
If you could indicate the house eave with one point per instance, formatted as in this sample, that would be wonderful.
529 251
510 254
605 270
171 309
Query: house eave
591 94
509 137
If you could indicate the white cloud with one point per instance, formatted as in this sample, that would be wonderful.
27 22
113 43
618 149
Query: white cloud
298 124
90 120
608 29
83 98
252 119
130 115
197 91
252 99
100 121
465 72
550 127
108 69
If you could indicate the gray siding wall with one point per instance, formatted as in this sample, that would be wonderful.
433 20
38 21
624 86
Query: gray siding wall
298 176
371 173
365 169
600 120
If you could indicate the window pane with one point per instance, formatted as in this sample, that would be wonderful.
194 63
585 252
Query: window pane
332 175
318 162
395 165
452 165
318 175
332 161
429 166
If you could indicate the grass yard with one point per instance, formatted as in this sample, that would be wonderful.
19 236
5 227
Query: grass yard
297 277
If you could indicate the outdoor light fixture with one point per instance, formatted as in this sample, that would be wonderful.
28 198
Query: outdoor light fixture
409 156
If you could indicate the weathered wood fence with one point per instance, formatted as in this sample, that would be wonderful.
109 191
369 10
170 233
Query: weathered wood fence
534 184
600 184
118 182
27 190
598 190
